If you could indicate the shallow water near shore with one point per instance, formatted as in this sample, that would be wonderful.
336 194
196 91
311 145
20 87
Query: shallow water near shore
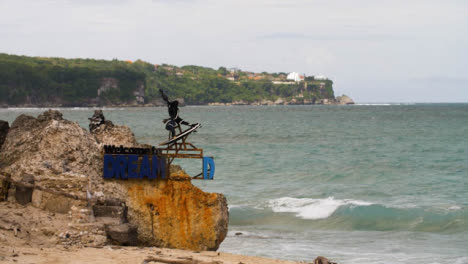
358 184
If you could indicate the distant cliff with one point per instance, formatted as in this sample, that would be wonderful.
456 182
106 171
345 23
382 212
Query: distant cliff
47 82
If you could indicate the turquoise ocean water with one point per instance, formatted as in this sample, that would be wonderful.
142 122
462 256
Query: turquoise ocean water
357 184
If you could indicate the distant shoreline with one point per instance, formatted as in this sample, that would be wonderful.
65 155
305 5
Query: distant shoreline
218 105
279 101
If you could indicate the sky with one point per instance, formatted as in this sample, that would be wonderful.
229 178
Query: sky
373 50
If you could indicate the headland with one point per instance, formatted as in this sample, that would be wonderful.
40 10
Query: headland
58 82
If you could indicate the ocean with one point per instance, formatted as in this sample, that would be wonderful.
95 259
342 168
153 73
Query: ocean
357 184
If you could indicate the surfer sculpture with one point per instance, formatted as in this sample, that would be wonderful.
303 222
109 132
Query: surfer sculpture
174 119
177 146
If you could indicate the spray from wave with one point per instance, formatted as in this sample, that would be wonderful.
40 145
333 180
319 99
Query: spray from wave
308 208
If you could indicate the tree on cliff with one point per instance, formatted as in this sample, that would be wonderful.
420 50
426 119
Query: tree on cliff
74 82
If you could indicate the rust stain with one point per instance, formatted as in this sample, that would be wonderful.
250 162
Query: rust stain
175 213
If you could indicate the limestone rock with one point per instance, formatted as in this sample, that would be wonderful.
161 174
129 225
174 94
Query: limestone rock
54 203
49 147
344 100
109 134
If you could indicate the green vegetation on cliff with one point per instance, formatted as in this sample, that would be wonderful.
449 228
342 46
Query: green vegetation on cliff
32 80
74 82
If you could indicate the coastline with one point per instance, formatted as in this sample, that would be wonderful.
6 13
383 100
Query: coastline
119 254
340 100
155 105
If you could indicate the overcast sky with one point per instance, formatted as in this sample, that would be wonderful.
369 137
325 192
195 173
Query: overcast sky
373 50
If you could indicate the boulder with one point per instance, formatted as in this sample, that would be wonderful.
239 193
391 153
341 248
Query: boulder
51 149
67 159
97 120
323 260
110 213
124 234
176 214
344 100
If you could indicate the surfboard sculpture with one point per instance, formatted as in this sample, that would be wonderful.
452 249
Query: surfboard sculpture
179 148
180 136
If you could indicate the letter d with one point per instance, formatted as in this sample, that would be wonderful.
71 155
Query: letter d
208 161
109 161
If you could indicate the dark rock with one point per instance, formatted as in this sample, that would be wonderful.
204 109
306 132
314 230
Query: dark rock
97 120
24 194
110 202
4 188
124 234
323 260
119 213
109 123
50 115
4 127
239 234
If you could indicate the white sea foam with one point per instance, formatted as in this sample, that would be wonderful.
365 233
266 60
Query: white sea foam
376 104
308 208
231 206
454 207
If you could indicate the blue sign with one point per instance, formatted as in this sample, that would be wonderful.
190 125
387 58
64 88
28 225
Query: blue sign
134 166
139 163
208 168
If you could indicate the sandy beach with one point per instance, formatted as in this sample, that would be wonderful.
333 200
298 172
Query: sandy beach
117 254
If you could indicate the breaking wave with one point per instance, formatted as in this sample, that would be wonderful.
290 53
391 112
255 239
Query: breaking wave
347 214
308 208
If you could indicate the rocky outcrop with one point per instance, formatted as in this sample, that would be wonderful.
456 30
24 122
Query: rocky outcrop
56 151
175 210
344 100
293 101
66 162
109 134
323 260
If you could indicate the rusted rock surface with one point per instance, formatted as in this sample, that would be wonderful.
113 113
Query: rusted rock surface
176 214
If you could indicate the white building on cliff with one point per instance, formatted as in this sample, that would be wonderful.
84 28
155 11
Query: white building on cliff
294 76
